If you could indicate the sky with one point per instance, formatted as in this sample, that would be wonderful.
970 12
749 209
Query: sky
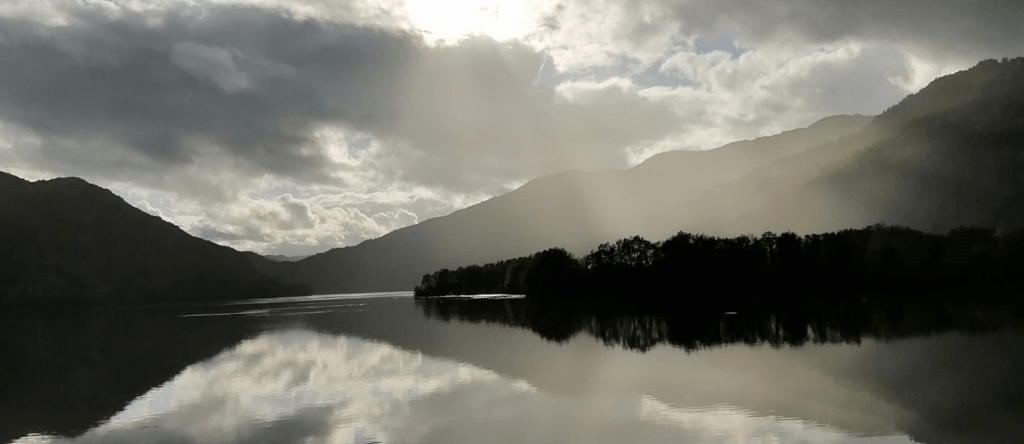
295 126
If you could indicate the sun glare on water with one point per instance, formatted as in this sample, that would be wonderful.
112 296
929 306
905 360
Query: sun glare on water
450 20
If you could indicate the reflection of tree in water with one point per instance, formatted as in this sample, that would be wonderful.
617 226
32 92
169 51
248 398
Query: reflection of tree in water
638 328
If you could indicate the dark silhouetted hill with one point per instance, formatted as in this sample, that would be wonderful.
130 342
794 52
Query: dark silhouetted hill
68 241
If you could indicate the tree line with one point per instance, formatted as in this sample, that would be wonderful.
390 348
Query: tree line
747 270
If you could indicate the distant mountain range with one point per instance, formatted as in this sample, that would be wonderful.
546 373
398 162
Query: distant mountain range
68 241
283 258
949 155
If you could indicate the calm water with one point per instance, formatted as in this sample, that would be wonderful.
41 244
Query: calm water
390 369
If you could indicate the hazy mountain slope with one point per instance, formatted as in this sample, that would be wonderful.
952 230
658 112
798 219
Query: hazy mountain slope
949 155
946 156
575 210
753 203
66 240
704 168
742 206
956 165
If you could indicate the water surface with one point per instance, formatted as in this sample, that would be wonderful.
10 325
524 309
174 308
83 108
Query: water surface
389 369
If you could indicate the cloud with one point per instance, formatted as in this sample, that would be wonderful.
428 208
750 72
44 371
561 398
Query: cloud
393 220
476 120
145 206
763 92
154 99
589 32
247 87
581 34
944 28
211 64
301 226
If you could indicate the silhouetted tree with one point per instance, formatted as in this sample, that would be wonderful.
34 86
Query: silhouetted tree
696 270
554 273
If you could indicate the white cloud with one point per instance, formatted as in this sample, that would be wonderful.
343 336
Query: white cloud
145 206
583 34
296 226
393 220
764 92
449 21
694 67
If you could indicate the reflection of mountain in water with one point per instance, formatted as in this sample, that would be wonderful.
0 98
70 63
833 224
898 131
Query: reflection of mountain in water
90 362
636 329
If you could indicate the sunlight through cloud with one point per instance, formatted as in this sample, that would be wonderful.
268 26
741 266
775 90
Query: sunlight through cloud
447 22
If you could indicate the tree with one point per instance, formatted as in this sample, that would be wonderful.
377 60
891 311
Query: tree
631 252
554 273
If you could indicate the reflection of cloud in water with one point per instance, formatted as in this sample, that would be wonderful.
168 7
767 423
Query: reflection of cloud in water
305 387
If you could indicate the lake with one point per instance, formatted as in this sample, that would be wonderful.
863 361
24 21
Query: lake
387 368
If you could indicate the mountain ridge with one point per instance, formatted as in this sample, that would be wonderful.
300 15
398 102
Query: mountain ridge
66 241
593 207
796 188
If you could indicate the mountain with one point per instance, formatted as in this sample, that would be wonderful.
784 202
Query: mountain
575 210
283 258
950 155
946 156
68 241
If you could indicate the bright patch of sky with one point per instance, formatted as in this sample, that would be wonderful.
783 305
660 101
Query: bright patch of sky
449 21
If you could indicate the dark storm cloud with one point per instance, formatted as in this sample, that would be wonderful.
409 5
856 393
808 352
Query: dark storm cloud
246 80
130 98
